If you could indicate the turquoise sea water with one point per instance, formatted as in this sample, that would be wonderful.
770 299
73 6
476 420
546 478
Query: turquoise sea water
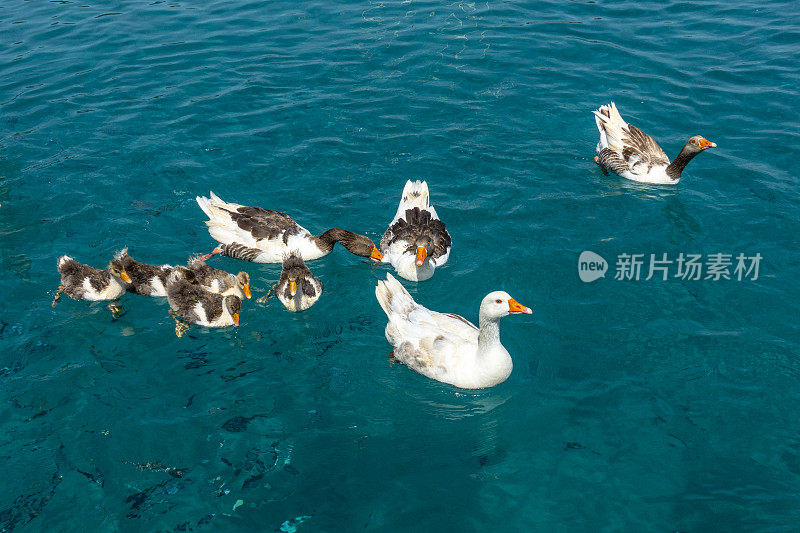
660 405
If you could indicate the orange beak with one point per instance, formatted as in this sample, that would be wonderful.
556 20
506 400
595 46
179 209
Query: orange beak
516 308
125 277
422 253
247 293
705 143
293 288
236 319
376 255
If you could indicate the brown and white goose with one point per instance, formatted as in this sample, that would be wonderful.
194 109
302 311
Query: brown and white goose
218 281
147 280
82 282
297 288
416 241
191 302
275 234
633 154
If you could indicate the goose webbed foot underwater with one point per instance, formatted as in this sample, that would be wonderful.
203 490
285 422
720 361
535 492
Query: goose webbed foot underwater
116 310
57 296
181 327
270 294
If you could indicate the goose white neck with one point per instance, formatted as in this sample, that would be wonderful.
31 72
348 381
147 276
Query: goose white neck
489 334
493 359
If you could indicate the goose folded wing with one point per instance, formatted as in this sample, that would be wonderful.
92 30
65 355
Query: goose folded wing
641 152
440 237
265 223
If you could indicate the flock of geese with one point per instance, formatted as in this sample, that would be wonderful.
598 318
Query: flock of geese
442 346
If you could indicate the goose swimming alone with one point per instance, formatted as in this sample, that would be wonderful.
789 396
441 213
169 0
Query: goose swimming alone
633 154
275 234
448 347
416 241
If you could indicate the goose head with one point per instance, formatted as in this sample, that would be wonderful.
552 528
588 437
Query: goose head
117 266
422 248
362 246
356 244
243 280
698 143
498 304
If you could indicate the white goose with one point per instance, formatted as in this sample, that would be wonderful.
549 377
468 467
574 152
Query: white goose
266 236
447 347
633 154
416 241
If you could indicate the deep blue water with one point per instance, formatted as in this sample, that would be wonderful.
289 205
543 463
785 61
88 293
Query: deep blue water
660 405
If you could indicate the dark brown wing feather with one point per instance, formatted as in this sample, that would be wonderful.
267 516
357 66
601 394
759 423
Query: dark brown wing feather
207 274
265 223
642 149
183 296
419 226
142 274
611 160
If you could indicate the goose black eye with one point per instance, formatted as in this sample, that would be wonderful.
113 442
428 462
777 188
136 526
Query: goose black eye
499 301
